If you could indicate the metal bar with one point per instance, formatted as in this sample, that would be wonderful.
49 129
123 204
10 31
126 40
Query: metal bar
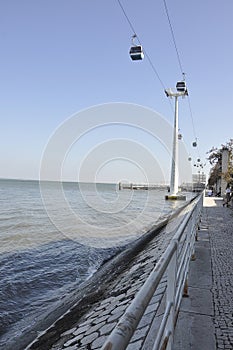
170 294
162 326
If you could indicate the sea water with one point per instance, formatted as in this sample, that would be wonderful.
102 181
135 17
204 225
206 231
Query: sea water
54 236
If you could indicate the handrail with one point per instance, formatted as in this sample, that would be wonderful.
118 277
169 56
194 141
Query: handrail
173 264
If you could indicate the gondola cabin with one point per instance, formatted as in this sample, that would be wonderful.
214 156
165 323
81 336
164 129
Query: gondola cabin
181 86
136 53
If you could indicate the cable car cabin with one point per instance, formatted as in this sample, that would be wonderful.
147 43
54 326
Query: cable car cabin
181 86
136 53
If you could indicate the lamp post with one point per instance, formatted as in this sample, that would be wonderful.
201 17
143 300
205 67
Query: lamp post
180 91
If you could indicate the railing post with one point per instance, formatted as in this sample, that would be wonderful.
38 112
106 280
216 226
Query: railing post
170 296
185 290
194 236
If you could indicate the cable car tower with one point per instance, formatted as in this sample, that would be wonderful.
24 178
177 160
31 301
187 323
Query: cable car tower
180 91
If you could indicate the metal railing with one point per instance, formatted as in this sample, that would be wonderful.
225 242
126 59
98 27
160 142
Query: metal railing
173 267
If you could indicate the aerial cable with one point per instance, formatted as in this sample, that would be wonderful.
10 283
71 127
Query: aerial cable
173 38
128 20
194 131
191 115
136 36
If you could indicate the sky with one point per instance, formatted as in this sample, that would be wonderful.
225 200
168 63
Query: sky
60 58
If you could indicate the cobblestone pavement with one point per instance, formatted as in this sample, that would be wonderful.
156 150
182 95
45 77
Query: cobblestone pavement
220 221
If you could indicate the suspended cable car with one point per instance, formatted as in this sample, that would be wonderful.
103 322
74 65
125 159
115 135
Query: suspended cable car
136 52
181 87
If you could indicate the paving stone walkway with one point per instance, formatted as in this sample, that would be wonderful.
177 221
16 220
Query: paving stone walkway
206 318
220 221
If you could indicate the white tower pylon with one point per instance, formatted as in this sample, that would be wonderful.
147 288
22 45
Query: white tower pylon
174 168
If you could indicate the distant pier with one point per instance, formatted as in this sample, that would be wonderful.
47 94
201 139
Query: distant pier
195 186
133 186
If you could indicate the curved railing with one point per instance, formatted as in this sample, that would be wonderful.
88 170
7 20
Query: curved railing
173 268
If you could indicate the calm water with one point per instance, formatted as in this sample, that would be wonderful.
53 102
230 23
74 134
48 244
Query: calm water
55 236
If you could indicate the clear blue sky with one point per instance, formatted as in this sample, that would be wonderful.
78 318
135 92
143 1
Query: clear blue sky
59 57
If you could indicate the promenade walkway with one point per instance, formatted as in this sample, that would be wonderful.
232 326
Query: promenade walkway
205 320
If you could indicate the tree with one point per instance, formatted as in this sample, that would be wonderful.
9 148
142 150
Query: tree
215 159
215 174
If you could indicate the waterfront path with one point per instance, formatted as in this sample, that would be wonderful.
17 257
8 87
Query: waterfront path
205 320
